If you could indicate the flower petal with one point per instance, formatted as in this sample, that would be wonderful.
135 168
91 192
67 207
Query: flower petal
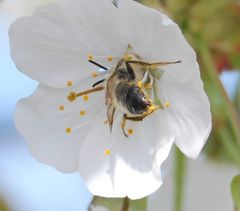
55 128
189 112
129 163
53 45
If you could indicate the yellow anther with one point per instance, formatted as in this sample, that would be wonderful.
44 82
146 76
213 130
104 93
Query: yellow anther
69 83
130 131
107 152
147 85
68 130
152 107
139 83
85 98
90 57
61 107
82 113
109 58
94 74
72 96
127 57
167 104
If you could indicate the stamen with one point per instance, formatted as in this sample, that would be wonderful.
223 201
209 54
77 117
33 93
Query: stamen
127 57
153 108
94 74
85 98
68 130
167 104
61 107
139 83
69 83
72 96
148 86
82 113
107 152
110 58
130 131
90 57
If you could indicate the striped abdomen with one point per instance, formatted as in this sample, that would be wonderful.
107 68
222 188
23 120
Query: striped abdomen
131 97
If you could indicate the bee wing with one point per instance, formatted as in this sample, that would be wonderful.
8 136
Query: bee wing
110 114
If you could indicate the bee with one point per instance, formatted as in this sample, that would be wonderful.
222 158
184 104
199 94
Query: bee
129 88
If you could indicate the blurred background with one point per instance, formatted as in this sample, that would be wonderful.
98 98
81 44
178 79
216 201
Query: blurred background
212 28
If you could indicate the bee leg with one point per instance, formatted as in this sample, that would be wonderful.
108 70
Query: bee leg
124 124
124 120
110 114
136 118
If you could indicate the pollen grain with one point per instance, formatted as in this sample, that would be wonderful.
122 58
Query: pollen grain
130 131
72 96
167 104
90 57
85 98
127 57
110 58
94 74
140 84
82 113
68 130
61 107
69 83
107 152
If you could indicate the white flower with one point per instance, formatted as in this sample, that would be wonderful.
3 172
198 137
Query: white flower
54 47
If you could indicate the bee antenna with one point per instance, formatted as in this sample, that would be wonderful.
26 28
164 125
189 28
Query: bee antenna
95 63
98 82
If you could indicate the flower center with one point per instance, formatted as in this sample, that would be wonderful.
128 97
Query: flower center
131 86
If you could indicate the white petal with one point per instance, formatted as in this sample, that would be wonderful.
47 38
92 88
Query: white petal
189 112
94 165
43 125
52 46
133 167
138 159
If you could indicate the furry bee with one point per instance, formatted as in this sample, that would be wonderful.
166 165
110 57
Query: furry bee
128 88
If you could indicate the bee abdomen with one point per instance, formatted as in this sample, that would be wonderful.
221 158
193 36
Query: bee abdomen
131 98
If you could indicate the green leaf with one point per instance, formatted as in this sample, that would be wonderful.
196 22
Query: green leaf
235 188
125 204
115 3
